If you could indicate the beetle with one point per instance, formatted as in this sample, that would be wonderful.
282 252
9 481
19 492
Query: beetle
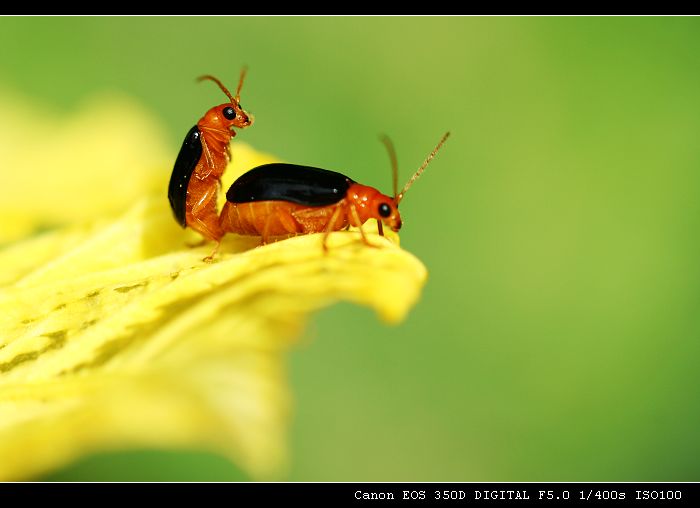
286 199
205 153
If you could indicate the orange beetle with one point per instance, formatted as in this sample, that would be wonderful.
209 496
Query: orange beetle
287 199
205 153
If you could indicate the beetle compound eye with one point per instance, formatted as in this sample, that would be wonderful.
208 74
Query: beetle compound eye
384 210
229 113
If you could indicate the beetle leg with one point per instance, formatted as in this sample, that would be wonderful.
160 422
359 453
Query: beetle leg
266 230
203 215
356 218
316 219
330 226
205 230
287 220
210 257
380 228
202 203
209 160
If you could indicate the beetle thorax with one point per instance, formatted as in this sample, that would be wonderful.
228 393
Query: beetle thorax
367 201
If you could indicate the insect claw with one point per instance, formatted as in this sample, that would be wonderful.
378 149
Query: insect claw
210 257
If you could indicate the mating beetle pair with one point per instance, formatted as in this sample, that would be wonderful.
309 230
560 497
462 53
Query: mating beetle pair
273 199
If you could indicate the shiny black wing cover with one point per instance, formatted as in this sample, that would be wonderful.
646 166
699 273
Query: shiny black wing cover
185 163
303 185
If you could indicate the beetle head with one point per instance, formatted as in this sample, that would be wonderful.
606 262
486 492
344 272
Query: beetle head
231 114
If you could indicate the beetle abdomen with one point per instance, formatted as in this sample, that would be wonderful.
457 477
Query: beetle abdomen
185 163
278 218
303 185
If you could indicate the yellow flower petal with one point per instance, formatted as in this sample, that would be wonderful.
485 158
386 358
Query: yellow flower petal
89 165
114 334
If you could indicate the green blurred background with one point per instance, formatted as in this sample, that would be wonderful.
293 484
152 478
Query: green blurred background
557 337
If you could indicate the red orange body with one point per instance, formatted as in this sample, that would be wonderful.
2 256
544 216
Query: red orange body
286 199
203 189
281 218
201 163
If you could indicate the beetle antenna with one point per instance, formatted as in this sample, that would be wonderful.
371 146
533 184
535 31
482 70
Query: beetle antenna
221 85
394 163
415 176
244 70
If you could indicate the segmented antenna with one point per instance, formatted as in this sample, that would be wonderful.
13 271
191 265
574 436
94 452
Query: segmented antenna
233 99
394 162
417 174
244 70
